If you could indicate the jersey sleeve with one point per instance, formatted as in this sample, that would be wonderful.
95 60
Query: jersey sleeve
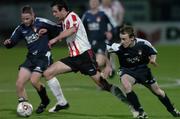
53 28
113 48
108 22
72 21
84 20
16 36
110 26
150 49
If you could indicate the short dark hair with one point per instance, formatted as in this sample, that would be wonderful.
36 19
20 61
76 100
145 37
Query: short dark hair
27 9
127 29
60 4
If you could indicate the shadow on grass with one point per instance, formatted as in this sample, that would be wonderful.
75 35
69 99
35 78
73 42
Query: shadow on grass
76 115
84 115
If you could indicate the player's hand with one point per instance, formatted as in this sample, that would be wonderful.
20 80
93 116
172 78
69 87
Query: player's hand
42 31
107 71
152 60
51 42
108 35
7 41
154 63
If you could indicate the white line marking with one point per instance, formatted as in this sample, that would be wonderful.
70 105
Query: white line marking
176 84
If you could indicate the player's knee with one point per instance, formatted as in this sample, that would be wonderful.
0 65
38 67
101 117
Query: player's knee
34 82
101 62
127 88
19 83
47 74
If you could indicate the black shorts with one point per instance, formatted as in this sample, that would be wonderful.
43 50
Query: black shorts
85 63
142 75
37 63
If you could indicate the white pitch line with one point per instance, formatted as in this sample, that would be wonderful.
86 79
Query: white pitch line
33 90
172 85
167 85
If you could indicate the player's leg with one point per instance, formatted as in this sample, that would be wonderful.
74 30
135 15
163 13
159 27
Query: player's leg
55 69
105 85
89 67
101 60
114 90
112 61
41 90
164 99
39 65
23 76
127 83
104 65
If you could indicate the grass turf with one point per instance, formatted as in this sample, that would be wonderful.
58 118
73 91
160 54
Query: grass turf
86 100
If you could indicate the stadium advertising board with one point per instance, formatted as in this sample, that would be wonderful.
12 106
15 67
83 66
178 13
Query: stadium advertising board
159 32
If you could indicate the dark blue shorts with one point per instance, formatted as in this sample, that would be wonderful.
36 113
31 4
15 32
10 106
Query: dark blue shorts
37 63
142 75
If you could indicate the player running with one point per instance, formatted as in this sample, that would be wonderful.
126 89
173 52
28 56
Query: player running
36 33
81 57
134 55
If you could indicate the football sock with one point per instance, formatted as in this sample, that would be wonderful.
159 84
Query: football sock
105 85
133 99
43 95
116 91
55 87
166 102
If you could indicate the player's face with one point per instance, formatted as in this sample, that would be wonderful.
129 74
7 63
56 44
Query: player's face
126 41
94 4
27 18
106 2
57 14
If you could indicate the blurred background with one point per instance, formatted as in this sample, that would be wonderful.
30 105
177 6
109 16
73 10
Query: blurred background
155 20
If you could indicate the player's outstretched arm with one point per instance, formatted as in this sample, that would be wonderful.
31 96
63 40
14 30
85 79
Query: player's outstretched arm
8 43
62 35
152 60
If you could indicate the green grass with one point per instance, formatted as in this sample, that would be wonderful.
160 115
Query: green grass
86 100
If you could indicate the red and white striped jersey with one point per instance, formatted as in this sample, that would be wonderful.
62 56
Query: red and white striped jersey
78 42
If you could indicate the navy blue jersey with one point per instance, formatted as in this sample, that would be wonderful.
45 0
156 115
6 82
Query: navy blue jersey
135 56
36 44
96 25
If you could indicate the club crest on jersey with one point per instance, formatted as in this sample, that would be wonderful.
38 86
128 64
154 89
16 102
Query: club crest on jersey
98 19
140 52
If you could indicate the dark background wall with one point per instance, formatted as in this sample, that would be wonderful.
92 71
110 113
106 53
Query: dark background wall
135 11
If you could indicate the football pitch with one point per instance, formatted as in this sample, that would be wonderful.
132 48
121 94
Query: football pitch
86 100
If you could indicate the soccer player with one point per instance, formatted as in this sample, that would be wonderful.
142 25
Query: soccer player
81 57
134 55
96 24
36 33
115 12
